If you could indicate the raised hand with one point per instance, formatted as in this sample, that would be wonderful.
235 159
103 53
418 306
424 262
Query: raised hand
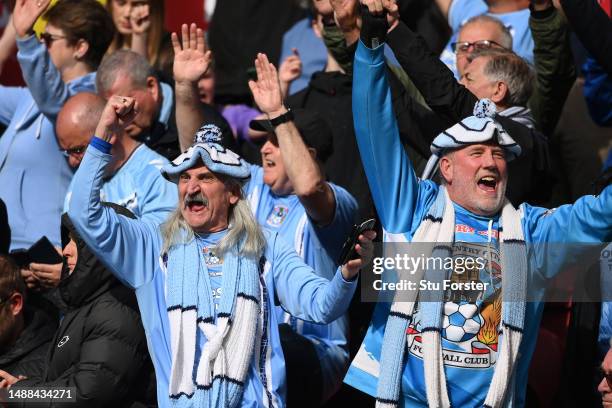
191 58
289 71
266 90
346 14
139 19
26 13
118 113
377 7
365 249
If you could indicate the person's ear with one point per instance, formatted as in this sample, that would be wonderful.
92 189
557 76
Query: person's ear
313 153
16 303
235 192
500 92
80 49
153 88
446 169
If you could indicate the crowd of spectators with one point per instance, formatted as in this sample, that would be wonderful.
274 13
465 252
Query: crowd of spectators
199 187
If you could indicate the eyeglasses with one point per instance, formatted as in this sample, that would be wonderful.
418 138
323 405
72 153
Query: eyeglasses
74 150
464 46
48 38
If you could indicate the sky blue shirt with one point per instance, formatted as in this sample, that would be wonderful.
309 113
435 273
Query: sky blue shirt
320 248
402 201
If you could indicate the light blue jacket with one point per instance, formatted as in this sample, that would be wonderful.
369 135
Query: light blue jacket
132 250
34 175
402 201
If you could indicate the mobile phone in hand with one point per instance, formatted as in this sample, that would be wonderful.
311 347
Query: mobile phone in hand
348 249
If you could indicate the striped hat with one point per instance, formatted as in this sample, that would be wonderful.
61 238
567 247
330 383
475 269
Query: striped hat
479 128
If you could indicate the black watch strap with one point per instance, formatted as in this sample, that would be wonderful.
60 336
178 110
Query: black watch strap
284 118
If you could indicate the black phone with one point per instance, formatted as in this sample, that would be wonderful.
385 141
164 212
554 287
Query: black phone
42 251
348 249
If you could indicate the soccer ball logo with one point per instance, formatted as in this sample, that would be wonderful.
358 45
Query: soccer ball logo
461 322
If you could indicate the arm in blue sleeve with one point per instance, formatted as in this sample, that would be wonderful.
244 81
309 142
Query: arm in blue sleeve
587 221
10 98
390 174
159 197
130 248
42 77
304 294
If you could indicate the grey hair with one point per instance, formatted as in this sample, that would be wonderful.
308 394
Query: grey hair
127 62
509 68
243 232
506 36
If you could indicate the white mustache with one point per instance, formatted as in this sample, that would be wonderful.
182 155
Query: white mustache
197 198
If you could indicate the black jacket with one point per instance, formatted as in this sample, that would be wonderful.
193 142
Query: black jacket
100 346
27 356
528 176
330 95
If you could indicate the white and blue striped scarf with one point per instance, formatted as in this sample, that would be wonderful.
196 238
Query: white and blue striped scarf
439 226
231 335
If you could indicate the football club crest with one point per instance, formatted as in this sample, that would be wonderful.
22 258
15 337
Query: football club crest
278 215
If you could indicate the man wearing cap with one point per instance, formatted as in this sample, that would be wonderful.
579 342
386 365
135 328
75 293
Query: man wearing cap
451 348
236 358
289 195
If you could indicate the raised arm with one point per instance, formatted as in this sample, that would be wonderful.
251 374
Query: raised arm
130 248
191 61
40 74
389 171
141 24
308 182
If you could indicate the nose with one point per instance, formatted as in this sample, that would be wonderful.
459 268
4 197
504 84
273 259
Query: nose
192 187
488 161
265 148
603 387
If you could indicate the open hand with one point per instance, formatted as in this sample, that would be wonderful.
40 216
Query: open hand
266 90
48 275
291 68
191 58
118 113
346 14
26 13
365 249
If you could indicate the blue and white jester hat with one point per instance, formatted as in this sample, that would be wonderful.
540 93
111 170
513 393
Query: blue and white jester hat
208 150
479 128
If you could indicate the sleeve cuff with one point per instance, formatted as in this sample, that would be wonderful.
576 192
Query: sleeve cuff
344 281
101 145
28 43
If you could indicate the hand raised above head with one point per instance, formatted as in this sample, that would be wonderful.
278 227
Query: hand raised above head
118 113
191 57
266 90
26 13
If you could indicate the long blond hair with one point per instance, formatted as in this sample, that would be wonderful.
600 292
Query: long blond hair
243 232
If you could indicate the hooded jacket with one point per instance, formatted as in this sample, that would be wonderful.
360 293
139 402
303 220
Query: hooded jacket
100 346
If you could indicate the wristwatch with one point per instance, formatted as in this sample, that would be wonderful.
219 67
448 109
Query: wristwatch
284 118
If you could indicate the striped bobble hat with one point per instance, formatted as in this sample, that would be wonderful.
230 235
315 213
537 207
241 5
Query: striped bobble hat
479 128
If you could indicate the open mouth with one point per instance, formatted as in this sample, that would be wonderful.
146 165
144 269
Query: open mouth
487 183
195 204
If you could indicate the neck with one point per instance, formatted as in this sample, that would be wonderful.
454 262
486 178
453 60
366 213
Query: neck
504 6
122 150
75 71
332 65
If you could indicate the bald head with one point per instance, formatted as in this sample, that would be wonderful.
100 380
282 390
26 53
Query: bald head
76 124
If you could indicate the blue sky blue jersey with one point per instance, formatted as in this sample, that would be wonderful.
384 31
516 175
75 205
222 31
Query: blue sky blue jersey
320 248
402 201
139 186
132 250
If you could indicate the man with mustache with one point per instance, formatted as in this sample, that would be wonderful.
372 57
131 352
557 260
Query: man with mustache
438 348
289 195
207 350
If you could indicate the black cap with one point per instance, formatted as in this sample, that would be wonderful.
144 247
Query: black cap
314 130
